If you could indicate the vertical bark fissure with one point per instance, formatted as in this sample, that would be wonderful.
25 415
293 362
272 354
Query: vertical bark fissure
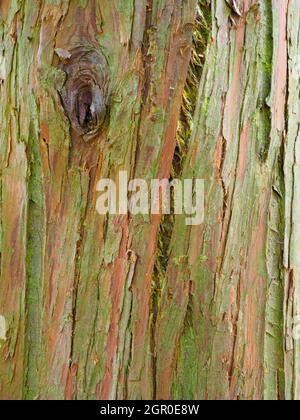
201 38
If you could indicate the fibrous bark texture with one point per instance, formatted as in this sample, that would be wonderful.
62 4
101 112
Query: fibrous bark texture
229 306
145 307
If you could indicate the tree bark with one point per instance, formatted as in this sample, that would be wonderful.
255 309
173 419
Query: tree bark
84 313
228 307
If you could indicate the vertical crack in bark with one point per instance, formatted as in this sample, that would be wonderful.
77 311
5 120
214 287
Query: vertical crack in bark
224 227
145 50
201 35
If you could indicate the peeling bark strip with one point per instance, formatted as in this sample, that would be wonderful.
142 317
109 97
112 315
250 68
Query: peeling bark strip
93 87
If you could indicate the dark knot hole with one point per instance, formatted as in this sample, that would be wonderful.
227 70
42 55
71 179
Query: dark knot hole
90 107
85 108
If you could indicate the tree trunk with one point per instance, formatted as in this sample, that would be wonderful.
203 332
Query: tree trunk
136 307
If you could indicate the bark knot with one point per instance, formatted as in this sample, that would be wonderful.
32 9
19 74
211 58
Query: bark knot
85 93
